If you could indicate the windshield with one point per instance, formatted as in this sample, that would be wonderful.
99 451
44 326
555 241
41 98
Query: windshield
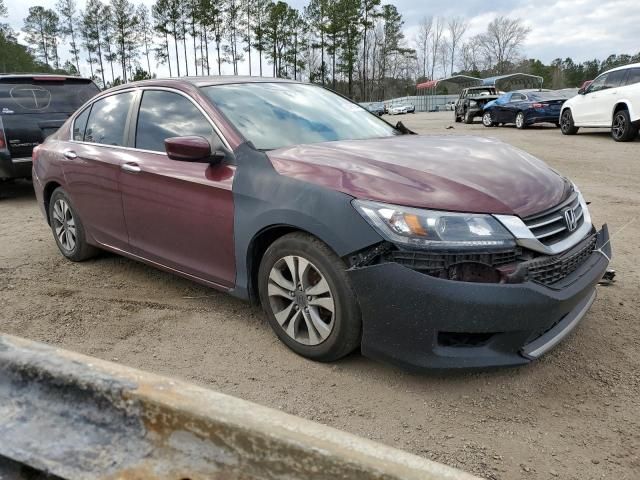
275 115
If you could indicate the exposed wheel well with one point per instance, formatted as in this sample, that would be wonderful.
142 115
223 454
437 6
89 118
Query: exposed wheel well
620 106
46 196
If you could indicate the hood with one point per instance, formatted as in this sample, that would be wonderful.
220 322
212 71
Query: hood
454 173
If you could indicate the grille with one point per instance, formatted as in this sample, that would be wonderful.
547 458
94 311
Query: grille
549 270
550 227
433 262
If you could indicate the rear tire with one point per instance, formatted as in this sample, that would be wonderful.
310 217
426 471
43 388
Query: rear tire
68 230
520 122
300 311
622 130
468 118
567 127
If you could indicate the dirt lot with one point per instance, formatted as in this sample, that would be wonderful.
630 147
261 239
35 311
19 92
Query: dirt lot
573 415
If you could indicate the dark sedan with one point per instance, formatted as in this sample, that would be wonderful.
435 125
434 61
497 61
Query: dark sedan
428 252
524 108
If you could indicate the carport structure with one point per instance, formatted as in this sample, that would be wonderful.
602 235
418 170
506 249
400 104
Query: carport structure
514 81
428 93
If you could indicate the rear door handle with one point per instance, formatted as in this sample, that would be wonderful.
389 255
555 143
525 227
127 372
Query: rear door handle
70 154
131 168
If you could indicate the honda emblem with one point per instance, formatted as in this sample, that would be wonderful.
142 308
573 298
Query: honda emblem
570 219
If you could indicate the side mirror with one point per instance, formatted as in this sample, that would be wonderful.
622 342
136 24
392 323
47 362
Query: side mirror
582 91
193 149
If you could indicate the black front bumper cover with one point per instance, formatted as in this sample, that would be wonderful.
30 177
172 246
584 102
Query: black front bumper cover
406 312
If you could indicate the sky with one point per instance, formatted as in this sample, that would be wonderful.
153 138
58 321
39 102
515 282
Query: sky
580 29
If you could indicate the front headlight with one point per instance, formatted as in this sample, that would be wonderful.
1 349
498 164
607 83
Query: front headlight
420 228
472 103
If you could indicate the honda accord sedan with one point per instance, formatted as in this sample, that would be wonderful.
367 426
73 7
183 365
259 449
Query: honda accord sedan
423 251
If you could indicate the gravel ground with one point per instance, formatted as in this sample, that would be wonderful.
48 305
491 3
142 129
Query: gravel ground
575 414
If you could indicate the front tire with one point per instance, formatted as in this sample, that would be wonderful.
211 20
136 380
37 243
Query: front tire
520 122
567 127
68 230
307 296
622 130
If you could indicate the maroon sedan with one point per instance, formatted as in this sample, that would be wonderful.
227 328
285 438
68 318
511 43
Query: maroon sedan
425 251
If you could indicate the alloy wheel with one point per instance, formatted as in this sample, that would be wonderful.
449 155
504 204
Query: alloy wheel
619 126
520 120
64 225
301 300
486 120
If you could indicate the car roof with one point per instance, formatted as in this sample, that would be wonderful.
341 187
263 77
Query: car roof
41 75
623 67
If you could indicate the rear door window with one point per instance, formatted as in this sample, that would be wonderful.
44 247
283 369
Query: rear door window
633 76
615 79
164 115
108 120
80 124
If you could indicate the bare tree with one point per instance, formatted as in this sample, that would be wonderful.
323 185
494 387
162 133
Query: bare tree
502 41
424 35
456 27
436 38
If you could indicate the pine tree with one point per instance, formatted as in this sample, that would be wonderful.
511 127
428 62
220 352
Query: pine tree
161 26
68 12
35 28
124 26
145 31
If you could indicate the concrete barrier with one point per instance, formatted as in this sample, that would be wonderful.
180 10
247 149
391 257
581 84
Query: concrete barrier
78 417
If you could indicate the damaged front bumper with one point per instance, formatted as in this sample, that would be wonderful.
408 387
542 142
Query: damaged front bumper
418 321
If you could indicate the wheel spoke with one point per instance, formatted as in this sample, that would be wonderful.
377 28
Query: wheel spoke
276 277
57 214
322 328
324 302
283 315
314 336
293 268
277 291
61 235
72 230
294 325
319 288
303 270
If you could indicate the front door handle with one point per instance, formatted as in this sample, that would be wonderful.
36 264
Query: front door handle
70 154
131 168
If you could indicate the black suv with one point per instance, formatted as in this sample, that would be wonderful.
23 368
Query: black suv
32 107
471 102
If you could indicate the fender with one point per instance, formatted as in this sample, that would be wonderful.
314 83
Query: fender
263 198
633 113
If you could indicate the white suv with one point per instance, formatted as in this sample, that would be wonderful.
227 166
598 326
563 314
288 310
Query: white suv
611 101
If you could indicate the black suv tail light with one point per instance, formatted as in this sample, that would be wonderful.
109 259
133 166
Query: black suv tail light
3 138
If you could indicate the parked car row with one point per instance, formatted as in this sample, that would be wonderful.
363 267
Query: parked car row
611 101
